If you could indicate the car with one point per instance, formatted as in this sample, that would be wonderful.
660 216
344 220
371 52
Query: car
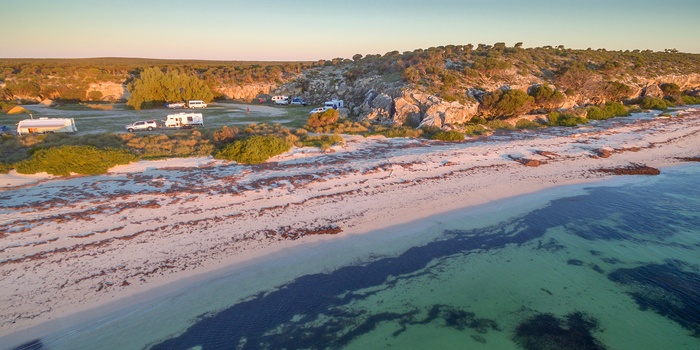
319 110
297 101
142 125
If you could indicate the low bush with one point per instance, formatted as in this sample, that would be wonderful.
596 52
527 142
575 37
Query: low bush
527 124
691 100
396 131
321 141
322 119
558 119
474 130
180 144
253 150
452 135
64 160
5 168
607 111
498 124
655 103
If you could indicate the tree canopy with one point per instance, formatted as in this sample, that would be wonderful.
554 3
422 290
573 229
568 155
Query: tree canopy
154 85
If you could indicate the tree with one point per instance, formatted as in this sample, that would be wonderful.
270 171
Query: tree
546 97
510 103
155 86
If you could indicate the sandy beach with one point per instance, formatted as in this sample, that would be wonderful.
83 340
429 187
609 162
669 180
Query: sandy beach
70 245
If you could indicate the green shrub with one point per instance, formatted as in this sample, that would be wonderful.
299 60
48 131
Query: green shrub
477 119
691 100
596 113
7 106
527 124
5 168
546 97
558 119
474 129
397 131
452 135
607 111
180 144
655 103
253 150
321 141
64 160
509 103
498 124
328 117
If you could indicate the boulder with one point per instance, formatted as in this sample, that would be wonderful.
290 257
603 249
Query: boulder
652 91
17 110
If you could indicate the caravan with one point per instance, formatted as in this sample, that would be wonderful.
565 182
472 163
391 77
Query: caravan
184 120
334 103
45 125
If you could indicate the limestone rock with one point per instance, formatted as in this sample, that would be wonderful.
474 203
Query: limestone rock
653 91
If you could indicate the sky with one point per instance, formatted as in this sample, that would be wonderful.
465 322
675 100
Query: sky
311 30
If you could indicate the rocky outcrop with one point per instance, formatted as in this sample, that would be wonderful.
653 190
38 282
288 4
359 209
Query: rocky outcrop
110 91
652 91
414 108
245 92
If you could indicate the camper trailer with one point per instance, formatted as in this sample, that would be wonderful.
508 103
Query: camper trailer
45 125
184 120
279 98
335 104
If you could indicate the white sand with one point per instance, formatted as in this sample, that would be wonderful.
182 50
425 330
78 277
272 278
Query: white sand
76 244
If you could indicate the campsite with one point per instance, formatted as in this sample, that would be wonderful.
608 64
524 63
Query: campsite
113 117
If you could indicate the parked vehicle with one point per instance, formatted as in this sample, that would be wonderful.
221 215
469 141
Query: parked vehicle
282 101
196 104
298 101
45 125
142 125
279 97
174 105
335 104
184 120
320 109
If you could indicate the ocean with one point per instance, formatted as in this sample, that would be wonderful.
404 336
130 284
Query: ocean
610 265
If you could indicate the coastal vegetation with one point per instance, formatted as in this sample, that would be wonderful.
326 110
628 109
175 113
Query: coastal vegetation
503 88
253 150
67 160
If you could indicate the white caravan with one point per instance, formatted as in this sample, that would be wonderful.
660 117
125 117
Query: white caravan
45 125
184 120
335 104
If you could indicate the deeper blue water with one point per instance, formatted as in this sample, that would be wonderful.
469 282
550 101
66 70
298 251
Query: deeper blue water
614 265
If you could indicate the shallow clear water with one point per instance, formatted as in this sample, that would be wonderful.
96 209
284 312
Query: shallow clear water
613 265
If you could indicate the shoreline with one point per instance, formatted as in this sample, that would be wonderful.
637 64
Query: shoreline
147 230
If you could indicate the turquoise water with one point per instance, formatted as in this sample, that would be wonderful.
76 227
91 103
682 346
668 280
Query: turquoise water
614 265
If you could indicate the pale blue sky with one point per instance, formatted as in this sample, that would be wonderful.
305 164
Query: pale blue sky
270 30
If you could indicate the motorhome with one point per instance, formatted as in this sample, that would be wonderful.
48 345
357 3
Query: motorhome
196 104
45 125
184 120
335 104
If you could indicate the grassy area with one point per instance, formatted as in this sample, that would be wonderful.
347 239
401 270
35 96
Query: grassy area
113 117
